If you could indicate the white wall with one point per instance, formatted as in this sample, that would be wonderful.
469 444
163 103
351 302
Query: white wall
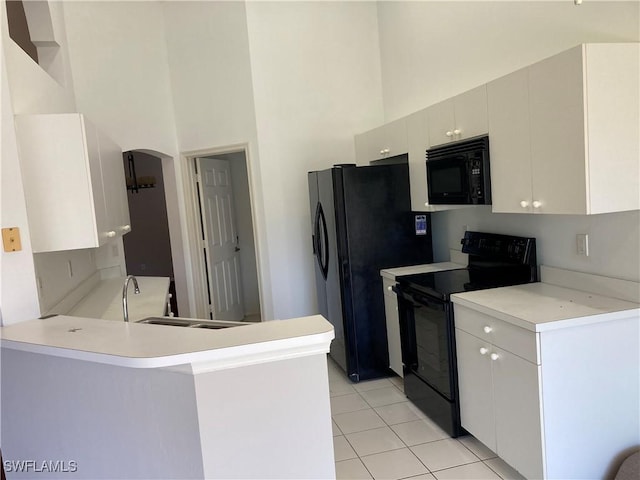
434 50
450 47
614 239
120 70
210 71
26 88
316 73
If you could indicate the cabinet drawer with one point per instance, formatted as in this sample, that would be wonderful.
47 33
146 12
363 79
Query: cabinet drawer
514 339
386 287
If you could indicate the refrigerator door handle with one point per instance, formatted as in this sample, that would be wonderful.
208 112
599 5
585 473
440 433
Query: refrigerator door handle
321 241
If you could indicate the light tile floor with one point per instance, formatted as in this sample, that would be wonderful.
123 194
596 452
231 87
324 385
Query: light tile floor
379 434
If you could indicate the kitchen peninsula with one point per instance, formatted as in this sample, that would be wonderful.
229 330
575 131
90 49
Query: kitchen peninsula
151 401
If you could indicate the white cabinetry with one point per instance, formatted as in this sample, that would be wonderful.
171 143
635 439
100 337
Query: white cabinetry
499 389
460 117
388 140
541 397
74 182
565 133
393 326
418 142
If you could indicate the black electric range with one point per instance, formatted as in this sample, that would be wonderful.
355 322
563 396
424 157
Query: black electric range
427 322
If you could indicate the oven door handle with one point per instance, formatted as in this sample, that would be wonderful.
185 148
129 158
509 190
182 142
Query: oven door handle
406 296
418 300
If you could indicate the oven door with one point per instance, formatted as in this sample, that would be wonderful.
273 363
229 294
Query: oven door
426 333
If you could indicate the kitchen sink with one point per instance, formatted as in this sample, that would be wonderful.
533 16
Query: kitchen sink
191 322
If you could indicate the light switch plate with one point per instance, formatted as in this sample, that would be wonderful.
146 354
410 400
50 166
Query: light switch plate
11 239
582 244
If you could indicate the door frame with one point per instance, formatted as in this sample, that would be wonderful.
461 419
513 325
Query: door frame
197 269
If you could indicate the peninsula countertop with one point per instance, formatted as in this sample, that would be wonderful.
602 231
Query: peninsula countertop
152 346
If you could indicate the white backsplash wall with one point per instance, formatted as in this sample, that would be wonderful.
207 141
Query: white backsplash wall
614 239
58 273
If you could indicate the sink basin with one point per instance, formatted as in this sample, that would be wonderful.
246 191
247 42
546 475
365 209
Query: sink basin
191 322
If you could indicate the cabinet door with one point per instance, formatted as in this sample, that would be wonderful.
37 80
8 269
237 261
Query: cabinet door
365 144
115 188
509 143
556 102
441 122
475 387
470 112
613 99
101 216
60 162
418 142
388 140
518 414
393 333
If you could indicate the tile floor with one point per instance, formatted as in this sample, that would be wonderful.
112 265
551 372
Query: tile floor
379 434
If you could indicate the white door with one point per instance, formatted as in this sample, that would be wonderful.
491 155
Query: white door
221 239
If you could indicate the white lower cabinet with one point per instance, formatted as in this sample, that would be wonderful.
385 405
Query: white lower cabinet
499 402
559 402
393 326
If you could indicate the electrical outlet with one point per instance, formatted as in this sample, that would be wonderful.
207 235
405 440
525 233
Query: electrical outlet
582 244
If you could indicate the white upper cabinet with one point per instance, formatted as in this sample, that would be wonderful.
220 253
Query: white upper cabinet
114 185
460 117
386 141
74 183
418 141
581 109
510 143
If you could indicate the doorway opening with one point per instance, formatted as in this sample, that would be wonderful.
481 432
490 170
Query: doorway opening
147 247
227 261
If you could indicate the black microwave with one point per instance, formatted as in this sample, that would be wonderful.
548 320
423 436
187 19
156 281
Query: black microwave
458 173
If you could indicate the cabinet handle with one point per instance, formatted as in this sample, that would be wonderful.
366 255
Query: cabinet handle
390 288
457 131
495 356
487 329
111 234
126 228
449 133
382 152
483 351
536 204
524 204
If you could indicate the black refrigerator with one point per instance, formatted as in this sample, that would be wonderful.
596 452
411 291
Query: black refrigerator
361 223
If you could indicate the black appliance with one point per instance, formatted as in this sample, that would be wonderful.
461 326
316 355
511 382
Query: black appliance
362 222
427 321
458 173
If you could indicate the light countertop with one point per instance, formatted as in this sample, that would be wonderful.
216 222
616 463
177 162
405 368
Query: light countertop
393 273
105 300
541 306
152 346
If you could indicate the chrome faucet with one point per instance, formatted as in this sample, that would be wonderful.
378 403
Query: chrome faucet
136 290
